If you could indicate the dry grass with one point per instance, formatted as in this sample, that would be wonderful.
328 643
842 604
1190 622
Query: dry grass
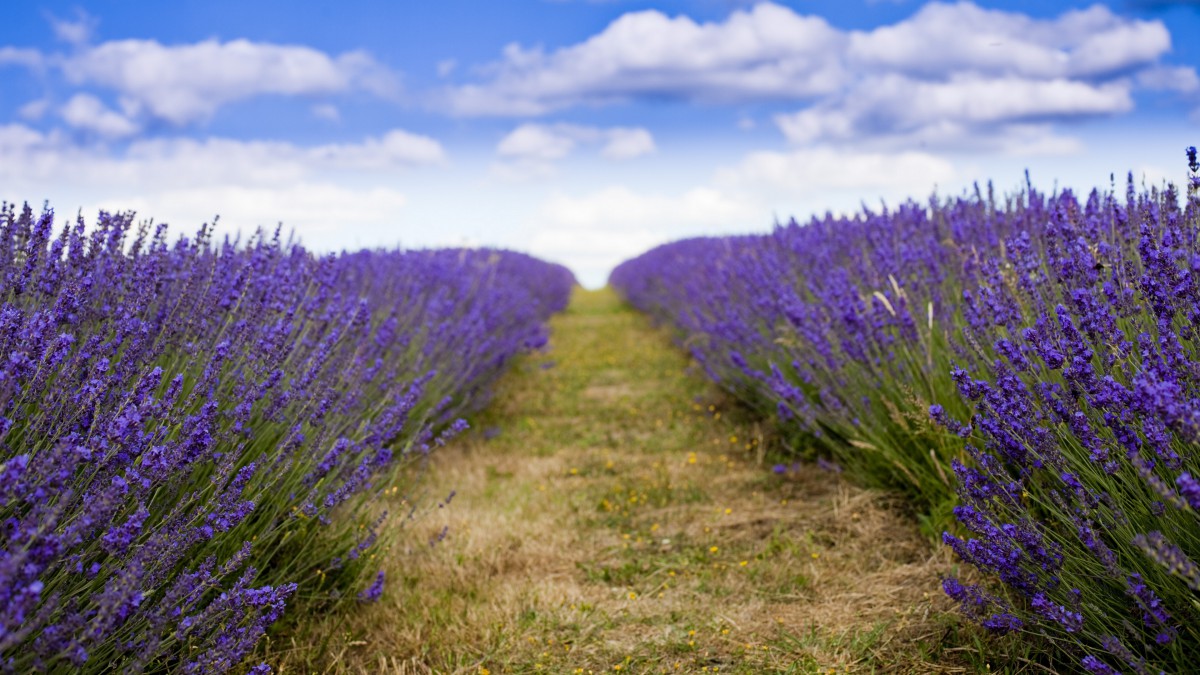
624 520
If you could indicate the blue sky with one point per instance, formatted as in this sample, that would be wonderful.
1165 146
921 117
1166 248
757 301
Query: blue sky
583 132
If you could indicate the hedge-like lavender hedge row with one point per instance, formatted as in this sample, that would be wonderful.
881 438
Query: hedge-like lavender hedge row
194 435
1031 366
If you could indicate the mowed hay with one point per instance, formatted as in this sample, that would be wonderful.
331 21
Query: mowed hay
614 513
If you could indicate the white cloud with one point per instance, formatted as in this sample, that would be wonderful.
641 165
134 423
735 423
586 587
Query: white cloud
1117 45
628 143
817 171
767 51
553 142
77 32
770 51
16 140
20 56
541 142
35 109
88 113
962 37
949 75
530 150
33 158
446 67
1180 79
904 111
959 76
395 148
334 195
183 84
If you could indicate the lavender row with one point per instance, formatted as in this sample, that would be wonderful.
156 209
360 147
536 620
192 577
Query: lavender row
1026 372
196 435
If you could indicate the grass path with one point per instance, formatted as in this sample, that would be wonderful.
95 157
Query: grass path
615 513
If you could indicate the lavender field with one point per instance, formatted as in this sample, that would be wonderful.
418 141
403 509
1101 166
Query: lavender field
1022 368
201 439
205 442
811 337
197 433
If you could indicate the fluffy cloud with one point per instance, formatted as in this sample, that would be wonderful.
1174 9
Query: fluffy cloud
88 113
19 56
553 142
183 84
77 32
37 161
530 151
818 171
768 51
949 75
334 195
628 143
35 109
996 80
898 110
395 148
1164 78
17 140
962 37
267 163
541 142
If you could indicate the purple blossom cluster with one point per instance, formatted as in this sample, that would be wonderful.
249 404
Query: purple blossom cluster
196 433
1042 353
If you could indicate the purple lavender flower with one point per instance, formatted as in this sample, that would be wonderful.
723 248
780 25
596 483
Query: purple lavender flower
1154 614
1189 489
1002 623
1097 667
1170 556
1119 650
374 591
1070 621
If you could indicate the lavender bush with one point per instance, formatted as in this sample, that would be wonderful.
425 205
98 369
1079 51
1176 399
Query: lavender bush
194 435
1043 351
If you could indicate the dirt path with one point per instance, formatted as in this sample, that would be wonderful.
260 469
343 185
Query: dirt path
615 513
